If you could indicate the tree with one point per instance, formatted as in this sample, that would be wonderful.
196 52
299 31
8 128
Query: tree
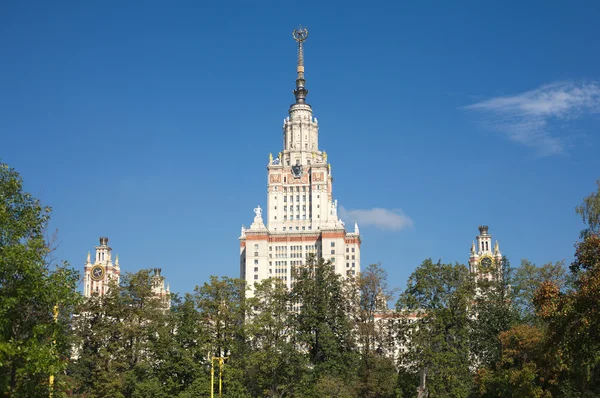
33 345
376 370
493 312
517 373
222 306
573 320
113 350
528 278
437 340
589 211
181 346
321 319
274 362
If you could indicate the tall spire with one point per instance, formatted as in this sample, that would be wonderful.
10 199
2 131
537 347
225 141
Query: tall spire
300 92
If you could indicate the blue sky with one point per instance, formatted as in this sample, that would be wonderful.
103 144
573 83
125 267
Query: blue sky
151 123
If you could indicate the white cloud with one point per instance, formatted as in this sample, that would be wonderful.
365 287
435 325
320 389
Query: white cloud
377 217
530 118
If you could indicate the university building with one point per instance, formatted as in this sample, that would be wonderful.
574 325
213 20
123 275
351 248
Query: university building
98 275
301 212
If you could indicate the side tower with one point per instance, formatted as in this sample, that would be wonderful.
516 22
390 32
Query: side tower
483 261
301 214
160 289
97 275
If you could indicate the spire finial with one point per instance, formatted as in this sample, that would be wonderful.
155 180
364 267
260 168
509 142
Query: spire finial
300 35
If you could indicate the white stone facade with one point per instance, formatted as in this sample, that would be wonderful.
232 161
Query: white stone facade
483 256
96 275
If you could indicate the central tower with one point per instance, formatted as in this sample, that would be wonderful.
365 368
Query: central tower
302 215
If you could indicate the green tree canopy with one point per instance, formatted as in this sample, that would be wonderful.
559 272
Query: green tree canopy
32 345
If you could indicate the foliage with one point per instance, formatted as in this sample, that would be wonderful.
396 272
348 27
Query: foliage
589 211
528 278
274 359
376 370
529 332
438 339
493 312
32 344
321 319
517 371
573 319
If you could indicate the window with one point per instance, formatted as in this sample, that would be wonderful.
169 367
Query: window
297 198
285 198
275 217
347 257
255 277
284 228
255 254
347 249
304 198
347 265
256 261
275 207
353 257
353 265
352 250
255 269
332 251
256 248
332 244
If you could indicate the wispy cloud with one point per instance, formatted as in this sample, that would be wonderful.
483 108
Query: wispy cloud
530 118
377 217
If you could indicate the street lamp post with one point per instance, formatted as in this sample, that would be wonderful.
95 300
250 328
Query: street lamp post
221 360
51 379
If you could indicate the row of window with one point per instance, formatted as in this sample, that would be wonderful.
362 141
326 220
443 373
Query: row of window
283 249
285 198
304 189
276 188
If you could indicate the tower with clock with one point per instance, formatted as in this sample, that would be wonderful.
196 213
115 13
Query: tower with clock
301 214
483 260
97 274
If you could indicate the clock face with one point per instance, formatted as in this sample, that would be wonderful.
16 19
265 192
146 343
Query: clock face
97 272
486 262
297 170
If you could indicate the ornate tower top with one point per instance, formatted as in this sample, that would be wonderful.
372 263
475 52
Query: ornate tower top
483 229
103 241
300 35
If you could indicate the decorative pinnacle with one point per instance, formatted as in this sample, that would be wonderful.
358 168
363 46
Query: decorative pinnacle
300 35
